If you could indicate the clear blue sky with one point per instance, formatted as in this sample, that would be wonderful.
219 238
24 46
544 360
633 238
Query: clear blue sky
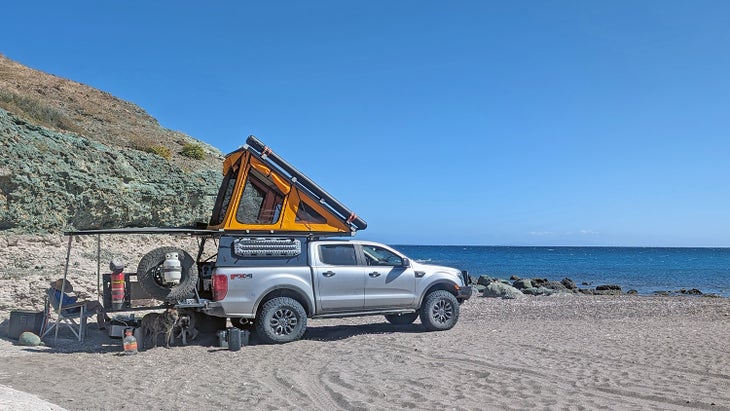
439 122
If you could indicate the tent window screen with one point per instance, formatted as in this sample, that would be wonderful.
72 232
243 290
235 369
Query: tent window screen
306 214
224 198
261 201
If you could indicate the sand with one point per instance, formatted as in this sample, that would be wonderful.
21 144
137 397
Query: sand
557 352
582 352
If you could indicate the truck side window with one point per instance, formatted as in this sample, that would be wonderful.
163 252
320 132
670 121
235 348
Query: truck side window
380 256
338 254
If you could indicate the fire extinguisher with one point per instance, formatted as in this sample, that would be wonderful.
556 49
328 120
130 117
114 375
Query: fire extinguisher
117 286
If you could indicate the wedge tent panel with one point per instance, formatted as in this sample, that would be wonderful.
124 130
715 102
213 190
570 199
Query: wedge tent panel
263 193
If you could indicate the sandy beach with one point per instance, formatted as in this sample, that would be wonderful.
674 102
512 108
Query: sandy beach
579 352
557 352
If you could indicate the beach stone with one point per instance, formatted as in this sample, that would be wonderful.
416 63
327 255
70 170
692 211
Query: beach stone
555 285
539 291
608 289
539 282
692 291
632 292
586 291
500 290
522 284
484 280
515 278
568 283
29 339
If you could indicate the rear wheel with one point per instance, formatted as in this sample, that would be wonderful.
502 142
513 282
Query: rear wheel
401 319
281 320
440 311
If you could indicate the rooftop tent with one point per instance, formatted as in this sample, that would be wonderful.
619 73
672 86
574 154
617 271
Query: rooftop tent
263 193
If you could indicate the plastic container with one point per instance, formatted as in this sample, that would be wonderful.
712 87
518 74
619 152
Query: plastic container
129 343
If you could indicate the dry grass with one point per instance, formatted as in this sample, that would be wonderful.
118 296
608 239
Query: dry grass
67 105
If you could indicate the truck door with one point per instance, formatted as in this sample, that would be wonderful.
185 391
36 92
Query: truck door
339 279
389 282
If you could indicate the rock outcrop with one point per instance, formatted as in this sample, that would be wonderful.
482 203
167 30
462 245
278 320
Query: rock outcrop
75 157
53 181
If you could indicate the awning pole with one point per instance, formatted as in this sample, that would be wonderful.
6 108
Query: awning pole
63 287
98 266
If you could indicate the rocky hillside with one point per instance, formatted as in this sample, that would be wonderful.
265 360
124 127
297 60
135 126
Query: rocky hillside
74 157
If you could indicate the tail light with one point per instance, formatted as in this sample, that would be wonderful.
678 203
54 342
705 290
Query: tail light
220 286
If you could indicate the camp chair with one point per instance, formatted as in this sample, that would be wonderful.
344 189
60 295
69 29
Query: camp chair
73 316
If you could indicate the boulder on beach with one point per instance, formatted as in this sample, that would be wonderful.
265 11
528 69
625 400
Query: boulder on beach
608 289
569 284
29 339
539 282
498 289
522 284
556 286
692 291
539 291
485 280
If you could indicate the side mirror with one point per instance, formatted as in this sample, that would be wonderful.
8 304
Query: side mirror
405 263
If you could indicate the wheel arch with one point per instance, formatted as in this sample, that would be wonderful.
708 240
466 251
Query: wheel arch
445 285
283 291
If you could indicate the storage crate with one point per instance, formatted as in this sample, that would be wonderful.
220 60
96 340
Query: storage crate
21 321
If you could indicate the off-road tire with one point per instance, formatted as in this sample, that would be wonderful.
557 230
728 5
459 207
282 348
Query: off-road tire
439 311
149 275
401 319
281 320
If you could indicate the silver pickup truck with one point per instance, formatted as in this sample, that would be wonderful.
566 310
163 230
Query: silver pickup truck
276 262
278 283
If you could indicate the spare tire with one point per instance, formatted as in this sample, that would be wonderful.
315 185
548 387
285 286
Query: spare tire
150 276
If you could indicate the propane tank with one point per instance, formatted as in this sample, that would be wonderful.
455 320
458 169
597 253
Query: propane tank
171 269
129 343
117 286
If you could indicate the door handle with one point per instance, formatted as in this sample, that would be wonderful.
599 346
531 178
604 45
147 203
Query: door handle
374 274
328 273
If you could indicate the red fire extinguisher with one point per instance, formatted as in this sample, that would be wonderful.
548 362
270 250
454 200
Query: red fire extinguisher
117 286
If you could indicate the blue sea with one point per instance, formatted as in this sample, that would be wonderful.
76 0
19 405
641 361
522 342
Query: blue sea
646 270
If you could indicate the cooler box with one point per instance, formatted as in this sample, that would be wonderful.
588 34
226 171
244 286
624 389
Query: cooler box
21 321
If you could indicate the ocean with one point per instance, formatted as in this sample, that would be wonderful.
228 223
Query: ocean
645 270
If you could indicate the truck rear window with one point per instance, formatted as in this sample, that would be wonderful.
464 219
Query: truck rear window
338 254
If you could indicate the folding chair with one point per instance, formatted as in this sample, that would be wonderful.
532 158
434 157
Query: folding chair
73 316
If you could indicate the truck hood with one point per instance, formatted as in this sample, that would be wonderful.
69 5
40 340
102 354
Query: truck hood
436 269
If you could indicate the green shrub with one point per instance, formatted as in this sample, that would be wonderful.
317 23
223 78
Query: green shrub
194 151
161 151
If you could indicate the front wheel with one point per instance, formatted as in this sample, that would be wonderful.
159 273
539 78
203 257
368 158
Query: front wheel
440 311
281 320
